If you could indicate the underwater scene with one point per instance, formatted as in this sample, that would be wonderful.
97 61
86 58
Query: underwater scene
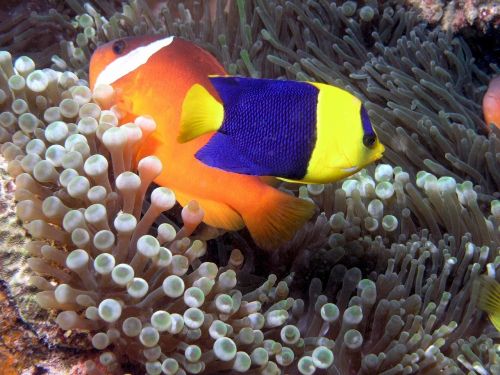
249 186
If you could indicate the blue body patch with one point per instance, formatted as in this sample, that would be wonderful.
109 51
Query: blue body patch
269 127
365 121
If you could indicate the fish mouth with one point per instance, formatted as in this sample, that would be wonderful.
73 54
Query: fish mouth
350 170
372 158
356 168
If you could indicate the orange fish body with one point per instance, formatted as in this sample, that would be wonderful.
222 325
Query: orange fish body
491 103
157 88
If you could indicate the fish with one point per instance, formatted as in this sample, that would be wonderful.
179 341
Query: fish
489 299
491 103
303 132
151 75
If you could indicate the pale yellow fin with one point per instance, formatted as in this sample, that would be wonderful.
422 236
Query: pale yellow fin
495 319
276 218
270 180
201 113
489 299
217 214
292 181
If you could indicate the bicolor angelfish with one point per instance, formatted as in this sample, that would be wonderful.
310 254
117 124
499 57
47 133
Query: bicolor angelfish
303 132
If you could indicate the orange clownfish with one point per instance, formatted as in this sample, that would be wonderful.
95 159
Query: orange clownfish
151 75
491 103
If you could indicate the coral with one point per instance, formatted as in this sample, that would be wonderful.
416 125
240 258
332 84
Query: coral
456 15
431 11
22 347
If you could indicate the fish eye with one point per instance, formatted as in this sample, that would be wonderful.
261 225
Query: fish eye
118 47
369 140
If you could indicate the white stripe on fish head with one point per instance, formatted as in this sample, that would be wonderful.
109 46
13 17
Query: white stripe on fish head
130 62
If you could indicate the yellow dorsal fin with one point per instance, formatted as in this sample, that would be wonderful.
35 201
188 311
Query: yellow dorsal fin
489 299
201 113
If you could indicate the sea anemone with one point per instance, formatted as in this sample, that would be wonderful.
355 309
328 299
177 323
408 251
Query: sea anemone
393 206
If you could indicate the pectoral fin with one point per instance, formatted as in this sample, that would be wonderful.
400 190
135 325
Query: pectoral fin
201 113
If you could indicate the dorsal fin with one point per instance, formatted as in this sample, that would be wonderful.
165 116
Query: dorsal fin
228 88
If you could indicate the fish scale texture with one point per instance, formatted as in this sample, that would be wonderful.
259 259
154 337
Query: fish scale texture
271 124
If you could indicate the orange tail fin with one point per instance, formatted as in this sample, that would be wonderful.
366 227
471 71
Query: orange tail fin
276 217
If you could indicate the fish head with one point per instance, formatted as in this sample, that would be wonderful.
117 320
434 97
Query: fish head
114 60
362 145
346 141
132 66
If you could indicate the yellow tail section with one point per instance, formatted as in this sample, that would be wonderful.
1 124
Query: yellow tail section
201 113
489 299
276 217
